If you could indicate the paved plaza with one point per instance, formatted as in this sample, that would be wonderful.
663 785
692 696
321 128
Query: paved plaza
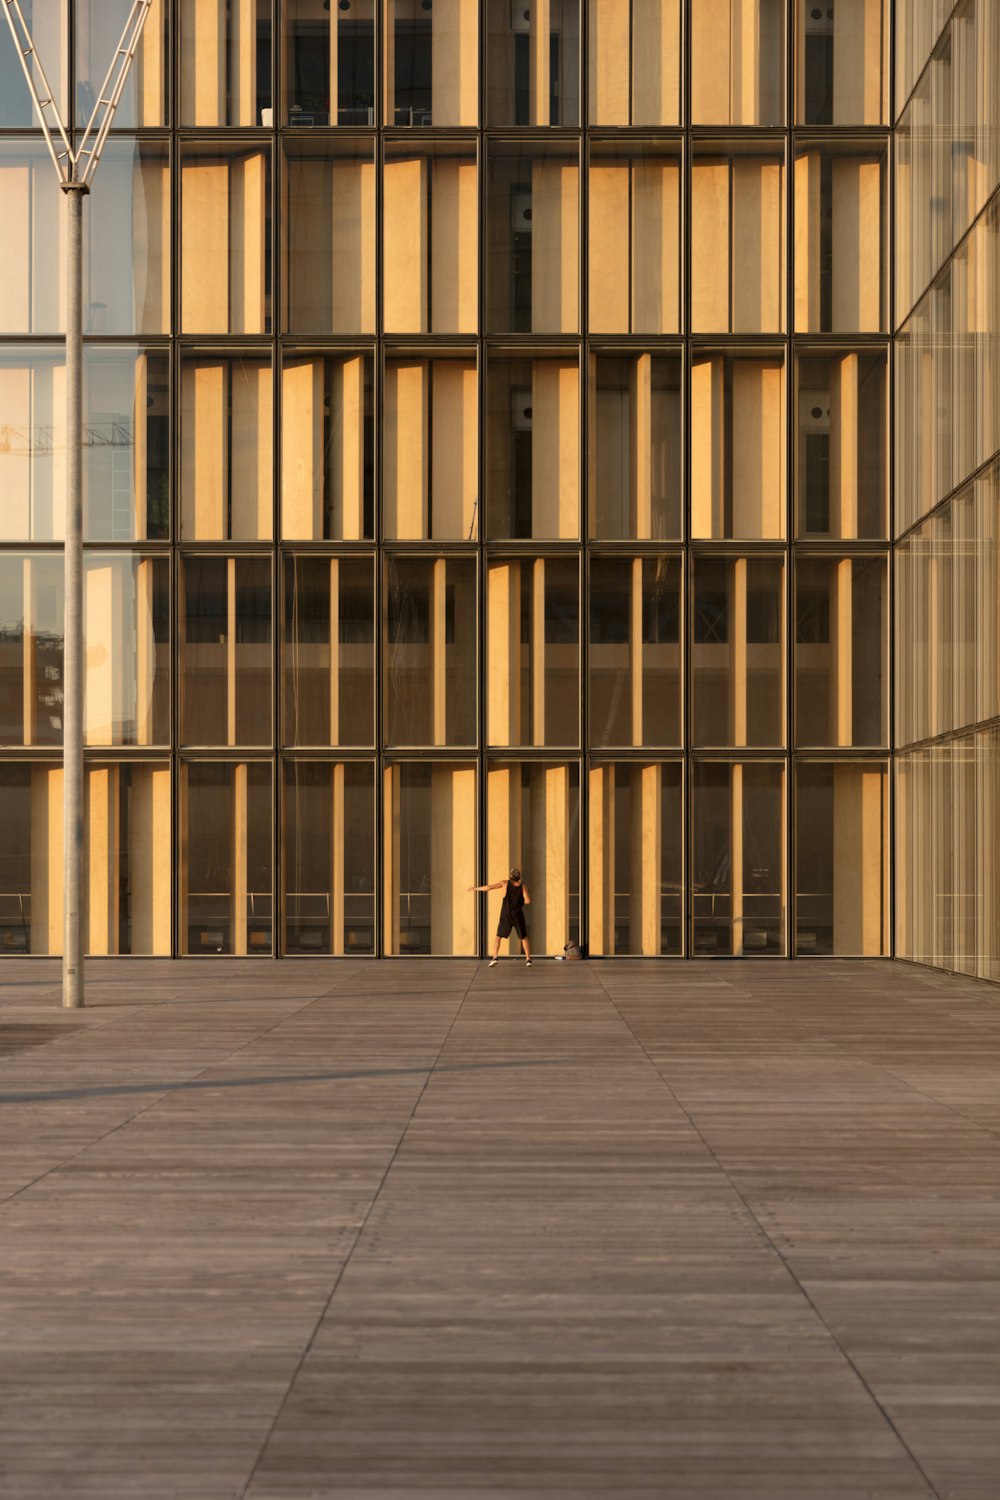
705 1231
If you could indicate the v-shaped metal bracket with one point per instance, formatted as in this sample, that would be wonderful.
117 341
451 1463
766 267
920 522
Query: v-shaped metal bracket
67 162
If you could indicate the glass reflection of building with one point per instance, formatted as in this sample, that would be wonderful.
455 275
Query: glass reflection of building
488 423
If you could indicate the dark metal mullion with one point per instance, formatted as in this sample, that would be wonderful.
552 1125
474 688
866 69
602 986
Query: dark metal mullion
482 581
790 790
687 585
378 389
583 508
890 861
277 581
179 843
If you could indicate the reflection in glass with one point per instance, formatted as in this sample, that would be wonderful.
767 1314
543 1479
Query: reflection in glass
842 63
227 426
226 870
636 859
31 648
634 56
634 239
128 847
738 438
432 67
532 271
126 622
533 447
533 823
430 238
328 251
635 652
225 687
98 31
127 233
327 447
842 457
635 447
225 238
328 857
329 58
737 238
430 683
225 63
126 475
429 857
737 62
328 651
839 240
430 460
533 64
737 690
842 859
33 450
738 859
533 650
840 651
50 35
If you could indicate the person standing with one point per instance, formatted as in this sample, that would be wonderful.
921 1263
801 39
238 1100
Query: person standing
516 897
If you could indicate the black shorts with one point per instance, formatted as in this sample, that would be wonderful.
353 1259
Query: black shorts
512 921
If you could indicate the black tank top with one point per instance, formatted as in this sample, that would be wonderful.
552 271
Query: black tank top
513 897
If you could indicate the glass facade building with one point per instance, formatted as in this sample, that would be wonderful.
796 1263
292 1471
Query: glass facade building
504 425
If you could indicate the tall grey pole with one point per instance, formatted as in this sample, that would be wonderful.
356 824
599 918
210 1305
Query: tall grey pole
73 866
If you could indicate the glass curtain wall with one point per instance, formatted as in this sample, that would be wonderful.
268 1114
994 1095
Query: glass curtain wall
487 464
947 533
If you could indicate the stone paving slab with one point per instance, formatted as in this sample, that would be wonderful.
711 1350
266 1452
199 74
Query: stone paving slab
340 1231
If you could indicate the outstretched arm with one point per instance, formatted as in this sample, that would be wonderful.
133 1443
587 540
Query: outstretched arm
494 887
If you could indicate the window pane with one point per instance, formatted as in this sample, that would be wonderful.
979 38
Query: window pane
430 462
533 64
532 272
635 447
737 447
127 233
328 651
842 458
737 851
31 649
842 860
126 616
635 62
430 682
840 651
227 425
328 864
431 235
32 462
839 240
738 652
534 825
636 859
98 30
737 62
842 63
226 893
432 67
126 476
50 35
737 239
635 651
226 651
225 201
225 63
533 652
32 250
430 858
634 229
329 246
329 58
533 447
328 447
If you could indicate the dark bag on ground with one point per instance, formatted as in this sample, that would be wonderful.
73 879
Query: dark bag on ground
572 950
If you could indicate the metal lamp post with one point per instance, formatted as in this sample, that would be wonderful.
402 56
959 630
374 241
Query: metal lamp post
75 170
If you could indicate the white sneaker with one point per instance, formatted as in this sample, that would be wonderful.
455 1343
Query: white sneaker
493 963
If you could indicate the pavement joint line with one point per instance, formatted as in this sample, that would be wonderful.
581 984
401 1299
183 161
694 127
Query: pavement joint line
777 1253
359 1232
